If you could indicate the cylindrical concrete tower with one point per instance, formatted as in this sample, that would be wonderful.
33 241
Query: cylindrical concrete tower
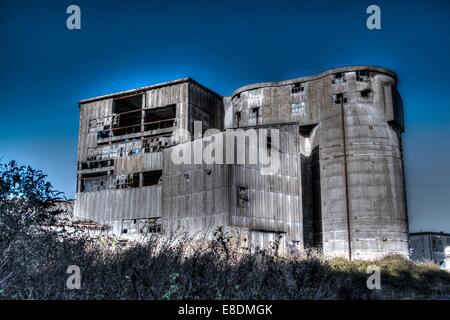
359 165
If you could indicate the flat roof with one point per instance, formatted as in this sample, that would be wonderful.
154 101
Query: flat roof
146 88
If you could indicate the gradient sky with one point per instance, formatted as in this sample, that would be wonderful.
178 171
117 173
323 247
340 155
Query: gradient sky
45 69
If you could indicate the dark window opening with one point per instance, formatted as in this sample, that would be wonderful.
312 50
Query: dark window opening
242 195
160 118
339 98
150 178
269 145
135 183
255 114
339 77
366 93
238 118
298 87
362 75
127 115
91 163
153 226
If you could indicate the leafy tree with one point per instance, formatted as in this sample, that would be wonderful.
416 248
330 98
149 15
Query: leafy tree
26 183
25 197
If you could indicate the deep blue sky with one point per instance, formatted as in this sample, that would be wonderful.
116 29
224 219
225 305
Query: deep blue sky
45 69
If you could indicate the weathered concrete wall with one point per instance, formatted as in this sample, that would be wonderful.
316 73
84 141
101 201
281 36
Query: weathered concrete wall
194 196
116 205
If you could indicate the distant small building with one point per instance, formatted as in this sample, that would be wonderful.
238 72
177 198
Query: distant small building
428 245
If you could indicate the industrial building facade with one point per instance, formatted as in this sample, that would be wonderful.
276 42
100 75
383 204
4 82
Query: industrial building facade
339 185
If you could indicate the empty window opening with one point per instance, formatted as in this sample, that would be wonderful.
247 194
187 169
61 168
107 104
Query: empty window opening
255 114
238 118
339 77
366 93
242 195
127 115
298 87
160 118
150 178
362 75
269 145
339 98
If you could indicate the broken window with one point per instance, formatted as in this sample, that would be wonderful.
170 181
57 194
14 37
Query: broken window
298 107
242 195
95 182
126 181
100 124
160 118
339 77
362 75
141 226
128 115
150 144
339 98
150 178
298 87
155 144
238 118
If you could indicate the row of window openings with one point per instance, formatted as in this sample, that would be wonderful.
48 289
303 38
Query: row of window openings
132 180
141 226
362 76
298 107
341 98
130 118
103 157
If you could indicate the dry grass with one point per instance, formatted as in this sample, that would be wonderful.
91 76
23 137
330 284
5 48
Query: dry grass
178 267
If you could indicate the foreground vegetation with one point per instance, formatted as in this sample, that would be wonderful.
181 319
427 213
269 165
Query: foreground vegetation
34 261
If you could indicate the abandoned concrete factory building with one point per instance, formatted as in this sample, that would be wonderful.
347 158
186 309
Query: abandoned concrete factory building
340 183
